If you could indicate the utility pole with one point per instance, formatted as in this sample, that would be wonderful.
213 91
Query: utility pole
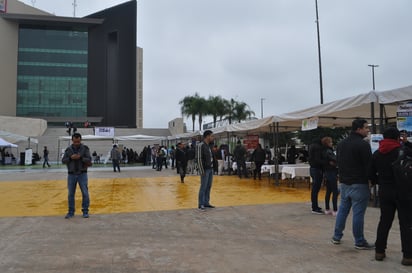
373 74
261 107
319 55
74 7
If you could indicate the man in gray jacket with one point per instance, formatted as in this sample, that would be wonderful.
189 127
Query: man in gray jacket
205 164
115 155
77 158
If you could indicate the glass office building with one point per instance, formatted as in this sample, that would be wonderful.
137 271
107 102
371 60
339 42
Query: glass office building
52 72
71 69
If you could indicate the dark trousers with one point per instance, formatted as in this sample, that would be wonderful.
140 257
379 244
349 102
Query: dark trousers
116 164
257 170
331 188
181 169
241 168
317 177
390 203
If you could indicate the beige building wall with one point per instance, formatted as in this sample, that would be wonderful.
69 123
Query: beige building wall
139 88
177 126
9 32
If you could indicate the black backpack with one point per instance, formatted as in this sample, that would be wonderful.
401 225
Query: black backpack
402 169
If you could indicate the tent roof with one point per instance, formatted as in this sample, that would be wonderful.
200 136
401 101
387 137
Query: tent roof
88 137
338 113
4 143
16 138
139 137
185 135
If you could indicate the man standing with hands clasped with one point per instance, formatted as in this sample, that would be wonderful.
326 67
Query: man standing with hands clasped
353 158
77 158
205 164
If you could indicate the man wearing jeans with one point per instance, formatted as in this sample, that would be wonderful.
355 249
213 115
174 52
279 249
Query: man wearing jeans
205 164
77 158
353 157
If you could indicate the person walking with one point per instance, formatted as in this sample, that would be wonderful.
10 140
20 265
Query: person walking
353 158
331 176
191 154
240 155
116 156
393 195
205 165
181 161
172 155
258 157
77 159
46 157
316 162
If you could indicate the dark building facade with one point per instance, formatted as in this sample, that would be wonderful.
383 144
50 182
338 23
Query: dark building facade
112 66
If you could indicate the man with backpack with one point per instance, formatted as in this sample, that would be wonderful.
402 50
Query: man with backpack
395 191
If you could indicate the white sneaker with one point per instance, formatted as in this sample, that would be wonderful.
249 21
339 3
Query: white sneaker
328 212
334 213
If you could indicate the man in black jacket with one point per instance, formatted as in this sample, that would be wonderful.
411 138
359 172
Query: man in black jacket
181 161
205 164
393 195
353 158
77 158
316 162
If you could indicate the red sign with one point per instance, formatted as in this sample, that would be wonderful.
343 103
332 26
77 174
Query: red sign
251 141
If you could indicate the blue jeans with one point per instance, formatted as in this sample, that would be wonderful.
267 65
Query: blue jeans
357 197
72 180
205 186
317 177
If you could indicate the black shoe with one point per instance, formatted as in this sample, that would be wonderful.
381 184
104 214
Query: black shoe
69 215
407 261
85 215
210 206
365 246
380 256
202 208
317 211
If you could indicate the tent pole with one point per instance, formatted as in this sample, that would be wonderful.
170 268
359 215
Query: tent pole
381 127
58 151
373 131
276 154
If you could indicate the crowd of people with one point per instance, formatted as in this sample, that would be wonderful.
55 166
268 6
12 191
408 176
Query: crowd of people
353 164
357 169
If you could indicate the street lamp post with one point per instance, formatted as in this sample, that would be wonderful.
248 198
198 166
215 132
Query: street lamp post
373 74
372 104
375 190
319 55
261 107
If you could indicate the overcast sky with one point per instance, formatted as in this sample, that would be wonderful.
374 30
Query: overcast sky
253 49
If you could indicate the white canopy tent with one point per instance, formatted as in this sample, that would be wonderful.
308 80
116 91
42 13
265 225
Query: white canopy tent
17 138
6 144
138 137
340 113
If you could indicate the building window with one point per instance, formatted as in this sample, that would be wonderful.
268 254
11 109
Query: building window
52 72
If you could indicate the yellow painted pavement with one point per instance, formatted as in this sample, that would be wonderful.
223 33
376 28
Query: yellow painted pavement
121 195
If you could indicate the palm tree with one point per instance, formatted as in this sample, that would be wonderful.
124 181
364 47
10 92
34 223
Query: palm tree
238 111
242 112
216 108
188 108
200 104
230 106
